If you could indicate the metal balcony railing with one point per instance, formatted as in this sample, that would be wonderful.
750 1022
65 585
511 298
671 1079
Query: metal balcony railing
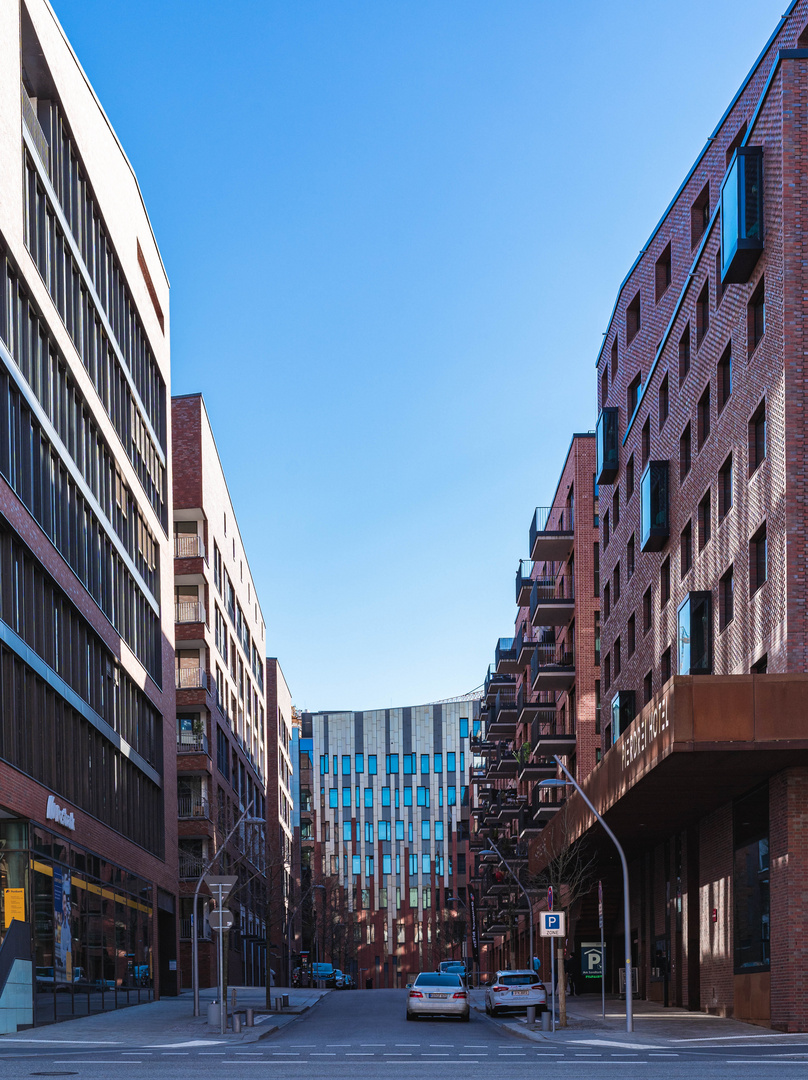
193 806
551 519
188 743
191 866
551 589
524 579
188 546
190 679
504 650
556 654
189 611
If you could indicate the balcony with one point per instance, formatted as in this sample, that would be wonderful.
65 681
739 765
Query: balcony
188 546
524 582
523 645
527 825
551 533
502 716
188 743
505 657
552 667
547 740
193 806
187 932
190 679
494 682
191 866
552 600
189 611
533 771
525 710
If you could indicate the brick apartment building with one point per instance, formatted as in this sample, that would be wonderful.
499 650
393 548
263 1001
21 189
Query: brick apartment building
542 697
87 764
221 704
280 720
384 829
702 474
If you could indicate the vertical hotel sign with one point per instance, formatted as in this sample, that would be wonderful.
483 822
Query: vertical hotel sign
475 942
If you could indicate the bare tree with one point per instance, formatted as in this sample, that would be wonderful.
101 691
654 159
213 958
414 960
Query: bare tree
570 870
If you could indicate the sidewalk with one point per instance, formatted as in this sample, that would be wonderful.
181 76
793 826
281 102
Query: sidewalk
170 1021
654 1025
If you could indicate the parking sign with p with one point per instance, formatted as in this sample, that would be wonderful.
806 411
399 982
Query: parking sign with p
553 924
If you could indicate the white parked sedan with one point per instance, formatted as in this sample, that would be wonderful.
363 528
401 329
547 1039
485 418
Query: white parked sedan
515 990
437 994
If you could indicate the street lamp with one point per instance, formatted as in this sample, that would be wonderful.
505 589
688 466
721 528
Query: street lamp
244 819
498 853
289 922
626 909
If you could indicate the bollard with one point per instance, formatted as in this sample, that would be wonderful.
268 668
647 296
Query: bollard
250 1017
233 998
213 1014
236 1023
531 1015
285 1001
545 1020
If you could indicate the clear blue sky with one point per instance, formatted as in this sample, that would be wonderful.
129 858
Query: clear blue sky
394 231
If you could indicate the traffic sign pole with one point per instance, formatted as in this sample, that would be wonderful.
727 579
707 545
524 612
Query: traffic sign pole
602 951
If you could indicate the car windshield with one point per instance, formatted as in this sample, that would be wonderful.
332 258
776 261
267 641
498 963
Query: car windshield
516 980
434 978
454 969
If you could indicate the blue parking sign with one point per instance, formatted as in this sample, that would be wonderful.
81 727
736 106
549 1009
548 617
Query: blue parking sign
553 924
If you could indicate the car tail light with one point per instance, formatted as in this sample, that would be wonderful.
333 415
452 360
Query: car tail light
498 989
416 993
537 986
460 994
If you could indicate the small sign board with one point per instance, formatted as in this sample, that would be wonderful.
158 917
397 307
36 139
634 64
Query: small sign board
550 898
13 905
591 960
553 924
221 920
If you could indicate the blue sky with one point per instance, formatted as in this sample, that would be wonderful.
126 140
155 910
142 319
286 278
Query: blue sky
394 233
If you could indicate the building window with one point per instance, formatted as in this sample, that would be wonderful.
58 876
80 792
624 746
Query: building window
596 566
633 319
742 215
607 671
654 503
614 359
629 478
704 417
464 734
686 549
346 764
356 865
725 489
408 796
664 402
368 797
632 634
684 354
665 665
685 459
623 712
703 314
695 634
646 441
724 377
616 508
333 797
756 317
758 560
606 530
607 600
648 687
700 215
597 639
616 582
607 445
438 763
761 666
630 558
346 796
633 395
451 762
726 599
617 660
391 764
705 519
663 273
757 438
665 582
604 385
752 921
646 610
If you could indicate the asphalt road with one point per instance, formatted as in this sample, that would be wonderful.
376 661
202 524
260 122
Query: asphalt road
365 1033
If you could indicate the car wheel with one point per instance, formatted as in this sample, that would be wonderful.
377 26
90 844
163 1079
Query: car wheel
409 1015
494 1010
465 1018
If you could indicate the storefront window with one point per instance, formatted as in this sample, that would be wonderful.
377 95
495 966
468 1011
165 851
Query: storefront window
751 881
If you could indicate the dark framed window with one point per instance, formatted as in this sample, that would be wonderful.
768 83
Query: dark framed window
646 441
633 319
695 634
700 215
606 530
761 666
684 354
646 610
704 416
725 489
686 549
618 666
607 600
607 445
665 582
596 567
726 598
664 401
616 507
685 453
614 359
665 665
758 560
629 478
756 317
742 215
705 519
631 634
604 385
648 687
703 313
662 275
597 639
616 582
757 438
624 710
633 395
724 377
630 558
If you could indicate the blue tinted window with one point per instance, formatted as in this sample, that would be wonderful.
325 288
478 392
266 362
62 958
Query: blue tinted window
451 796
346 832
399 830
409 831
359 762
398 798
438 763
425 830
356 862
368 832
424 764
346 796
323 764
425 861
385 796
387 864
464 727
438 830
336 770
346 764
462 761
408 796
368 866
413 864
371 764
333 797
392 763
451 762
368 796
